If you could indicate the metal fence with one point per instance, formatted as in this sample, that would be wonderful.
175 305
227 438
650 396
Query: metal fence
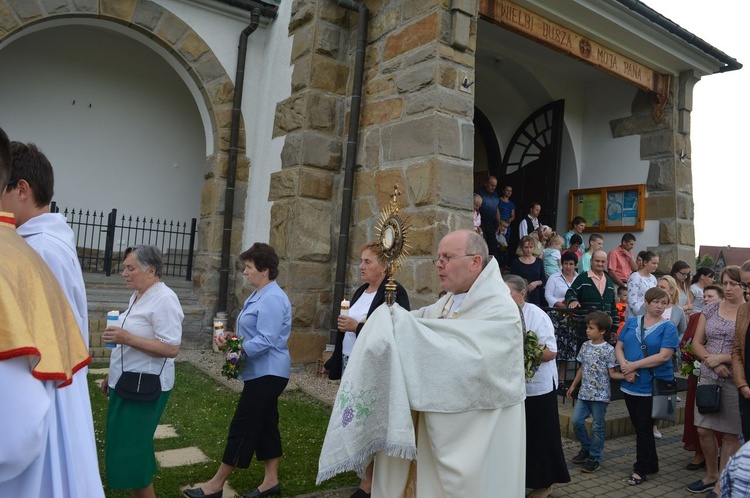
101 238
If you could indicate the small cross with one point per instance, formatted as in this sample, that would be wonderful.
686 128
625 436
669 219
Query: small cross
395 194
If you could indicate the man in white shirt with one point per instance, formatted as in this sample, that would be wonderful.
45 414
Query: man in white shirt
531 221
27 197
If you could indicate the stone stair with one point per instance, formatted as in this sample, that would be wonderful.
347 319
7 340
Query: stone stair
110 293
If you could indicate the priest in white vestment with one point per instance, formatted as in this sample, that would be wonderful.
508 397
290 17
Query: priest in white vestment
436 396
49 447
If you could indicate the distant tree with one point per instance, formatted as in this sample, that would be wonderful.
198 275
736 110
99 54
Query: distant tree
706 261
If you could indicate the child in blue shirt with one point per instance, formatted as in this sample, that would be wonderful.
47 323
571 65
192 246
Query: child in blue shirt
597 359
551 255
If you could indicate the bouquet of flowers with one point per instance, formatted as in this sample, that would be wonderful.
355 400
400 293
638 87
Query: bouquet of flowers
532 354
690 363
235 358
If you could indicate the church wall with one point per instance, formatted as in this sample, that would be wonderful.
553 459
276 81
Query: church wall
72 93
266 82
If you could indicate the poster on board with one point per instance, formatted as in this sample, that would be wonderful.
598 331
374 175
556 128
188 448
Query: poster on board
617 209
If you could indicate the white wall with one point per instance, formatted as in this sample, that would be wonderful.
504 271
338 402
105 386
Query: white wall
117 122
268 76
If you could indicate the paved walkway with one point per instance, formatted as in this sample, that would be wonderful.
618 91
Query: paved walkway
608 481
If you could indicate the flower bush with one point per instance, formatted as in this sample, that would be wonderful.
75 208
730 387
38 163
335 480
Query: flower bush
235 358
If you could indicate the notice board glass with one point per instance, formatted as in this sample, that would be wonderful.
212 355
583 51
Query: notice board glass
610 209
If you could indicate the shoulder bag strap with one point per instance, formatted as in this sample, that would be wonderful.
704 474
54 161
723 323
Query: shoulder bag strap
122 356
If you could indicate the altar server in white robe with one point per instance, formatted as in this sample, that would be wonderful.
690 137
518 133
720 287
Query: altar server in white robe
54 423
443 385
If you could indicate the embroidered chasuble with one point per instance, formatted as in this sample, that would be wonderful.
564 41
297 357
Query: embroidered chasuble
41 349
444 386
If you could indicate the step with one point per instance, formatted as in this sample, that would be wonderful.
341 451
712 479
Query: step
618 422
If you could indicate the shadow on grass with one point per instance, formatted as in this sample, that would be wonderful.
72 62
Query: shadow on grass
200 409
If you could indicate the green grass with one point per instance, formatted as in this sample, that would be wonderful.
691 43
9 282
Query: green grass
200 409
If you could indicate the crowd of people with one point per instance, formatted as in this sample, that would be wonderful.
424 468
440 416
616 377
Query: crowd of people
658 316
438 397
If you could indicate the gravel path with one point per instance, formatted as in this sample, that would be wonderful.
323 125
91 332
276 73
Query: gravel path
303 379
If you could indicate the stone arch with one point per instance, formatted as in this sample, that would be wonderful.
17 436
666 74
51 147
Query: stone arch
193 59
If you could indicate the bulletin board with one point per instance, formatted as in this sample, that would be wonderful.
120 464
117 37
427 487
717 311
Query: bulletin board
610 209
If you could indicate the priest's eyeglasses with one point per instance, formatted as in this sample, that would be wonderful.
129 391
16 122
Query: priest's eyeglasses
444 260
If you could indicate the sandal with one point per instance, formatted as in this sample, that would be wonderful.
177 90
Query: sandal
635 481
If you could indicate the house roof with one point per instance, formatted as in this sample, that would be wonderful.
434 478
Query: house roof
712 251
731 255
640 8
735 255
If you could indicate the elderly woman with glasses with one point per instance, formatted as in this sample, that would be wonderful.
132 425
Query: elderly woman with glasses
147 340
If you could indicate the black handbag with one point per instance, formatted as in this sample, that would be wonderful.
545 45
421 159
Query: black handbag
664 405
708 398
138 386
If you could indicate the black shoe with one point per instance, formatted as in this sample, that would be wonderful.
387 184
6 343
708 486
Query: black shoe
590 466
700 486
581 457
360 493
274 491
696 466
198 493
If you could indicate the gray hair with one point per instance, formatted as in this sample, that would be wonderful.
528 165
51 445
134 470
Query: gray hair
517 283
475 244
146 257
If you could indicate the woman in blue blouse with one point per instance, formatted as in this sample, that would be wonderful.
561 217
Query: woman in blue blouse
638 366
264 324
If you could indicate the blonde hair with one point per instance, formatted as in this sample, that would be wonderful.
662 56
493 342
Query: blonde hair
555 239
674 294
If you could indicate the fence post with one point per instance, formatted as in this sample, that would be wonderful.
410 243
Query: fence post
189 271
109 242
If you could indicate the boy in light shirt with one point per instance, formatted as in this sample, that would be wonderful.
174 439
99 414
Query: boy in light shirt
597 358
596 242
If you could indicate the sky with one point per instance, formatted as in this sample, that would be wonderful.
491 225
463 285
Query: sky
719 130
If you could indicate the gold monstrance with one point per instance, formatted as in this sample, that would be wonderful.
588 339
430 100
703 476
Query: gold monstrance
392 230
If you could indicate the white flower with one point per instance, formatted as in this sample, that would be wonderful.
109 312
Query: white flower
697 365
232 355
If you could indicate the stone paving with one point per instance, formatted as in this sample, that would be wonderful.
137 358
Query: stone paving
609 480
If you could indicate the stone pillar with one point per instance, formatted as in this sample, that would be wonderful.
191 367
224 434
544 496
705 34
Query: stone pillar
416 132
417 129
666 145
312 119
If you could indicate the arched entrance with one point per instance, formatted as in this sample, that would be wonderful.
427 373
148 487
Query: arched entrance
196 70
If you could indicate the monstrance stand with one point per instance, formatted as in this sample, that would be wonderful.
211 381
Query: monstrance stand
392 230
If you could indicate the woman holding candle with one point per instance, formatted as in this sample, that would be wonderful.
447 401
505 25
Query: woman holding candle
373 271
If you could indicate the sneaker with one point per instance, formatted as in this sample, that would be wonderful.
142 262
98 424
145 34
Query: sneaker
657 434
590 466
581 457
